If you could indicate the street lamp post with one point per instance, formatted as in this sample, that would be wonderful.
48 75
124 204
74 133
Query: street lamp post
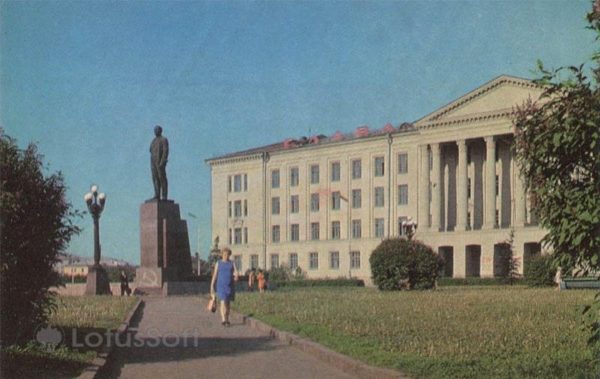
97 279
409 227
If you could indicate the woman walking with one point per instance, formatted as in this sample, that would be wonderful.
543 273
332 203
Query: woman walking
224 276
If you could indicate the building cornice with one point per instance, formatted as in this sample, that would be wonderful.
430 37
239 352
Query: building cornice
469 119
237 159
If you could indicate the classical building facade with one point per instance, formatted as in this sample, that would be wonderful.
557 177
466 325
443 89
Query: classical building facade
324 203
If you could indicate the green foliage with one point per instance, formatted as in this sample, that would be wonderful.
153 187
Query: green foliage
338 282
400 263
457 332
284 273
36 224
474 281
509 264
539 271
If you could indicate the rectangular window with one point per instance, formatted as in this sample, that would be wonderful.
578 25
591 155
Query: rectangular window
245 235
355 259
230 236
402 163
403 194
237 208
295 232
275 205
334 260
229 208
356 198
314 174
293 261
274 261
335 171
237 261
497 185
229 183
254 261
497 217
356 229
314 202
379 166
379 227
245 182
430 157
469 219
237 183
275 233
335 230
335 200
237 236
294 204
294 177
469 188
379 197
401 231
356 169
314 230
245 207
275 179
313 261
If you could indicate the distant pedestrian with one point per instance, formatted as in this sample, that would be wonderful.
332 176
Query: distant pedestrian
251 280
223 283
124 284
262 282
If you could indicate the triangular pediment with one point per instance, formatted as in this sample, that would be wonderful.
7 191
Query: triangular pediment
499 95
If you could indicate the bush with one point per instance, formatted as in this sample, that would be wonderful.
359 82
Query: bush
399 263
538 271
36 226
448 282
339 282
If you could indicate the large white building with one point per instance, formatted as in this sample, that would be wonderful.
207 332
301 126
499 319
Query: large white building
324 203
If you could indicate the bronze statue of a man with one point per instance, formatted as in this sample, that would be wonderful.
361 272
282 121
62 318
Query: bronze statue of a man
159 153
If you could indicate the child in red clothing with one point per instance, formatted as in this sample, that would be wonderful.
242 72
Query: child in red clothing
262 282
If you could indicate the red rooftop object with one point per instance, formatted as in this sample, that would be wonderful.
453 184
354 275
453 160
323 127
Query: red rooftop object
337 136
361 131
388 128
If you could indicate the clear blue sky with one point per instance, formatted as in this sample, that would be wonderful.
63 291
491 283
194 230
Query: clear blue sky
89 80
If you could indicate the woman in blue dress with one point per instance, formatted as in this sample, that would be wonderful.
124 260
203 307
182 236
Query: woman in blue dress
224 276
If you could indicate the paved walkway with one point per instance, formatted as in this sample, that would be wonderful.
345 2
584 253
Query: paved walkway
181 339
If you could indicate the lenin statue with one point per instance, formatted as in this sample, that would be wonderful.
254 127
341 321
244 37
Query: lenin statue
159 153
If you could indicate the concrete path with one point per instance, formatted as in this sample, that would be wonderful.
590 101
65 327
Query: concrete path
177 337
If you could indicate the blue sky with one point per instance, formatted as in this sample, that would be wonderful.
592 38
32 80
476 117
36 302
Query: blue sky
88 81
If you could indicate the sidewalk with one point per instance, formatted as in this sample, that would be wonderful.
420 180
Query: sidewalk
181 339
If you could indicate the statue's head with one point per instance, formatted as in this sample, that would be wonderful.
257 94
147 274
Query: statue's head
157 131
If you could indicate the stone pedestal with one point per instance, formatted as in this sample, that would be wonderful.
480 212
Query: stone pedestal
97 281
164 245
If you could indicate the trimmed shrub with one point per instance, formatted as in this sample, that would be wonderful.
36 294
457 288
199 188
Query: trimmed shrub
339 282
399 263
538 271
448 282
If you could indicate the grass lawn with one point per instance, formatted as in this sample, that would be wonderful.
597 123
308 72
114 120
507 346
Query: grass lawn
459 332
75 317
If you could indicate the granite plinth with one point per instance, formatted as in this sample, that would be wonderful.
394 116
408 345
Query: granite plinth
97 282
164 245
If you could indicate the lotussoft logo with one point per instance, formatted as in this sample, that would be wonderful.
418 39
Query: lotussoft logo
48 336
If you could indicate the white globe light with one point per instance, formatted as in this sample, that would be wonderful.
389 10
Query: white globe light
94 188
88 197
102 196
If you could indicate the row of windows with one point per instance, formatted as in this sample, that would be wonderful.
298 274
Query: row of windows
315 230
237 183
313 261
379 170
235 208
238 236
336 198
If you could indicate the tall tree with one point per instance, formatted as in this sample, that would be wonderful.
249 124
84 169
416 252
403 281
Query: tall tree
557 143
35 226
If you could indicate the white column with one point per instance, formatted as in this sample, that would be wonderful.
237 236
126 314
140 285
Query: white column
436 196
489 219
519 196
461 186
423 219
